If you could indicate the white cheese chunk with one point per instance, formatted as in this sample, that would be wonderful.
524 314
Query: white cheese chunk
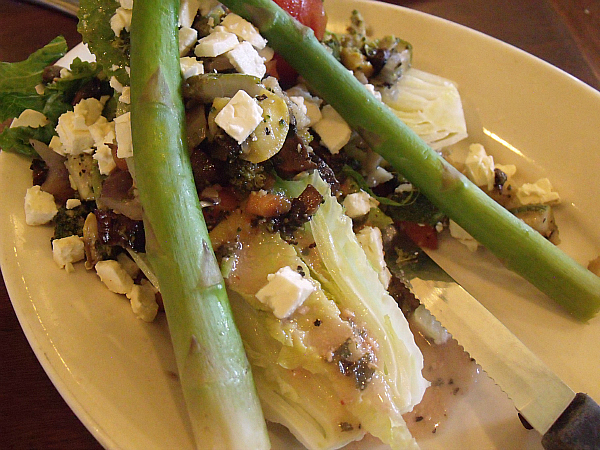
143 301
457 232
357 204
125 96
123 135
244 30
67 250
114 276
115 84
187 38
190 66
40 207
127 4
240 116
372 90
246 60
121 20
313 112
74 134
29 118
104 156
216 44
332 129
429 326
508 169
538 192
371 241
285 291
102 131
57 146
187 12
479 166
72 203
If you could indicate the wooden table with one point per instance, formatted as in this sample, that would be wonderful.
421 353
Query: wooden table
33 415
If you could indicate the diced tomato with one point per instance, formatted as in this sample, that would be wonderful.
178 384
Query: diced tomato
310 13
423 235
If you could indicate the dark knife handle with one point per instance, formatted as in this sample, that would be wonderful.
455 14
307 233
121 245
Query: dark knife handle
578 427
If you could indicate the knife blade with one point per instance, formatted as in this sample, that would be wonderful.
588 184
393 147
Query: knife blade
564 419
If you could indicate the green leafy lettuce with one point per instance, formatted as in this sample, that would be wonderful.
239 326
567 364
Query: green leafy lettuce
345 363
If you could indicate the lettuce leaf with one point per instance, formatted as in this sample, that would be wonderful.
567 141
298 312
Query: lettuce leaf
345 363
18 80
112 52
430 105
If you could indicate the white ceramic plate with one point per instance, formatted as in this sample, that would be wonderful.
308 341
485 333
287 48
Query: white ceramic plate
117 373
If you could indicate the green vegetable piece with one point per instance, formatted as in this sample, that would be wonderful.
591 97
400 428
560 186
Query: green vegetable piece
519 247
213 370
18 80
207 86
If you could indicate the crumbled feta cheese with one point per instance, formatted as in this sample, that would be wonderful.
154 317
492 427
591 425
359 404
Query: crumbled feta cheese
244 30
40 207
102 131
143 301
357 204
479 166
404 187
29 118
72 203
332 129
246 60
378 176
371 241
372 90
127 4
125 96
121 20
463 237
266 53
299 101
114 276
187 12
313 112
187 38
216 44
285 291
190 66
115 84
57 146
538 192
240 116
74 134
299 111
67 250
429 326
104 156
123 135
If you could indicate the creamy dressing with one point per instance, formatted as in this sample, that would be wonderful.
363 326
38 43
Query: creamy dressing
451 373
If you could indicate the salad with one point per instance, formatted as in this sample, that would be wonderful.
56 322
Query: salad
274 191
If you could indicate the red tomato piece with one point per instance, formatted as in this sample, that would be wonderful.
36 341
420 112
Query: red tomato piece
310 13
423 235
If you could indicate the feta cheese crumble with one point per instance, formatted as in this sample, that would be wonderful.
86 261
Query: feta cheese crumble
332 129
538 192
67 250
29 118
358 204
40 207
113 275
246 60
285 291
240 116
215 44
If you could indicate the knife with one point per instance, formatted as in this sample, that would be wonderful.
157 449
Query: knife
564 419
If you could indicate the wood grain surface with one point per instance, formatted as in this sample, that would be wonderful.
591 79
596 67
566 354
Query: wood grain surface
566 33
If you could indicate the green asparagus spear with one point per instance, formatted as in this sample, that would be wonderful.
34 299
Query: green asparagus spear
519 247
215 375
